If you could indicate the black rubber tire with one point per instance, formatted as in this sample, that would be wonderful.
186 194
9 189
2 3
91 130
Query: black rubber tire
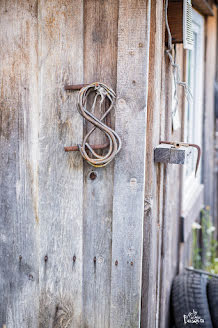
189 292
212 295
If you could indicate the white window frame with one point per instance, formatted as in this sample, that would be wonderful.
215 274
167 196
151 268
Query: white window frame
193 133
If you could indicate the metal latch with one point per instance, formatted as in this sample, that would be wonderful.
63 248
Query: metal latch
176 145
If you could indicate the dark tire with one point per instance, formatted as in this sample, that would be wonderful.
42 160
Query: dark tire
189 292
212 295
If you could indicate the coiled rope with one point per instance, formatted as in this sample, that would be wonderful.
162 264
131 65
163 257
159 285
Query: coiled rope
104 92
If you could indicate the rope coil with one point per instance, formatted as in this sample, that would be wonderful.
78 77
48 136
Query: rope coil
104 92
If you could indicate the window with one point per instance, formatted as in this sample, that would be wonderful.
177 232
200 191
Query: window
193 117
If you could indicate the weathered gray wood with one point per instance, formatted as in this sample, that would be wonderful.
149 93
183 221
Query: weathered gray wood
154 172
168 154
60 173
18 172
171 203
129 171
209 117
72 256
216 139
100 55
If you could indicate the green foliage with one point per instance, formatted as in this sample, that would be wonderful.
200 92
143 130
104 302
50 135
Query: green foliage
213 265
204 258
196 251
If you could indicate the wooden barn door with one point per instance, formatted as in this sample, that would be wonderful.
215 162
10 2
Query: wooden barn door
70 246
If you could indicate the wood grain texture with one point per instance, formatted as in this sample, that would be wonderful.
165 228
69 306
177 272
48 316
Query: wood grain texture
71 247
154 172
100 55
164 291
209 117
162 229
205 7
18 177
168 154
171 200
60 173
175 19
209 174
129 172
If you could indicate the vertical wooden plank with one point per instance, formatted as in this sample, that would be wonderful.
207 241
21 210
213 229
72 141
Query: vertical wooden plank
216 136
18 177
166 132
100 56
209 117
129 171
171 200
153 173
60 173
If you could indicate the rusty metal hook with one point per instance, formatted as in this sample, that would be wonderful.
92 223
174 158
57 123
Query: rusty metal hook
74 87
95 147
114 143
77 87
180 144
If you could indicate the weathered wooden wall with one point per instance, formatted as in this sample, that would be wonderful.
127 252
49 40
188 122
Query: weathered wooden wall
216 136
162 194
209 115
60 42
154 174
171 202
71 247
19 252
62 232
129 172
164 255
100 60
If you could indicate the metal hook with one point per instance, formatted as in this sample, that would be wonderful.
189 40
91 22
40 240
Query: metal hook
77 87
183 144
95 147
